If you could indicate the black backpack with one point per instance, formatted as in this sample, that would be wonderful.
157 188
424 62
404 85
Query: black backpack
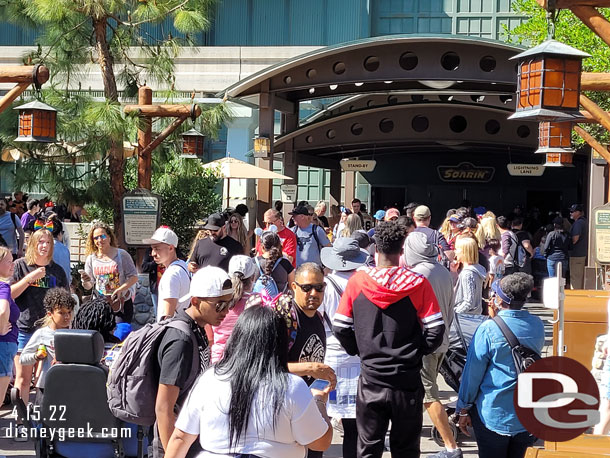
523 356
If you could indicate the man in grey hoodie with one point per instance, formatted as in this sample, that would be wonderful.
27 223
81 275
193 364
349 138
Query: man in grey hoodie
422 257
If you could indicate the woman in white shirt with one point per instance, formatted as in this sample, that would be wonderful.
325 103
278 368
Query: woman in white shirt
249 404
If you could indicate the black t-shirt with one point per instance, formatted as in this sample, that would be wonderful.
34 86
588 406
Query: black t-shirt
324 220
30 301
279 274
175 354
521 237
310 342
217 254
434 237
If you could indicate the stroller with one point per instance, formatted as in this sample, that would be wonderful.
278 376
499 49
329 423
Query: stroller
460 335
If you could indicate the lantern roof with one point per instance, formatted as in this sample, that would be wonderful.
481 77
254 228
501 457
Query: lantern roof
552 47
192 133
35 105
544 114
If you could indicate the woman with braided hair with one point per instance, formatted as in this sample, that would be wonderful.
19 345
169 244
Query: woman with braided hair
272 262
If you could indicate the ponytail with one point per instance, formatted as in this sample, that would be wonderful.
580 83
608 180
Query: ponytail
275 253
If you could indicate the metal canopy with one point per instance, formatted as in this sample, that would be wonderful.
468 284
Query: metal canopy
385 64
410 128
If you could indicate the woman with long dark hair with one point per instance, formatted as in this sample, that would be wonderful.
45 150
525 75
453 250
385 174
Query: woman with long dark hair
272 262
249 403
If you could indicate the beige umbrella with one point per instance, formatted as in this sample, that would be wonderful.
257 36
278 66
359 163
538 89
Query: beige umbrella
229 167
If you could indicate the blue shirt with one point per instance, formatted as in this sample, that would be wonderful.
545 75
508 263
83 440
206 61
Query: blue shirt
8 230
308 250
61 257
580 228
489 378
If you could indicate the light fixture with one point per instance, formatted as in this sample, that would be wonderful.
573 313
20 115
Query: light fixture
192 144
548 85
437 84
555 142
262 147
37 122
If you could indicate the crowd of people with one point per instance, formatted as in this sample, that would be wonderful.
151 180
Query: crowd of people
345 316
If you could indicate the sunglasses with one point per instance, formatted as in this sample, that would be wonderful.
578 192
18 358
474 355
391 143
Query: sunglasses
100 237
222 306
319 287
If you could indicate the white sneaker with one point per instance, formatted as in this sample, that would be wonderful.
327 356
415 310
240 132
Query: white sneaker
21 434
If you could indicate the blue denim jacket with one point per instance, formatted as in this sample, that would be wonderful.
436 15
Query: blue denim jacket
489 378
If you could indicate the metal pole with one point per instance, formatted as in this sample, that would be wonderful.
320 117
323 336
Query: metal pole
561 284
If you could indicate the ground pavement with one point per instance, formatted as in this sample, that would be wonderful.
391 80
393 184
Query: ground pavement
10 448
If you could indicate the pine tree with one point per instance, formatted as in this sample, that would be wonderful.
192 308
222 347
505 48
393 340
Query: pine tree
111 34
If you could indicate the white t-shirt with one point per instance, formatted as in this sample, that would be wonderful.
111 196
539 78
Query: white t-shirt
205 413
175 283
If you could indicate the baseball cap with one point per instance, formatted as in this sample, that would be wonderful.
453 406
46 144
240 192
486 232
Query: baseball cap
300 210
215 221
209 281
576 208
455 219
242 264
421 212
163 235
391 213
379 215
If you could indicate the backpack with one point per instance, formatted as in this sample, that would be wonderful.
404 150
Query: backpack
442 258
266 282
523 356
132 386
519 256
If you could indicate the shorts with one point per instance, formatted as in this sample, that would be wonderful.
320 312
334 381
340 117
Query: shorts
22 340
8 350
429 373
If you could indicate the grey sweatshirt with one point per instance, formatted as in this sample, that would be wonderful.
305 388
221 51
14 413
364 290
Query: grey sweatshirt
421 256
43 336
469 290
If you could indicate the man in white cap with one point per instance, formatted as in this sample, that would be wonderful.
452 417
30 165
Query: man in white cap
210 295
176 279
422 218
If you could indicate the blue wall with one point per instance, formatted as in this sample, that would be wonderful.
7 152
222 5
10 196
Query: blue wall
328 22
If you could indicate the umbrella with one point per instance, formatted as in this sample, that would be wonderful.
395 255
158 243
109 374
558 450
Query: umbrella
229 167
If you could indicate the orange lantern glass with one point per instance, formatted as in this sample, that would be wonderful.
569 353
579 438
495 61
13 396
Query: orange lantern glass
37 122
548 85
193 143
555 141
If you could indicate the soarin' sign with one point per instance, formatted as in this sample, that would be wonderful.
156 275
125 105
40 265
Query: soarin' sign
466 172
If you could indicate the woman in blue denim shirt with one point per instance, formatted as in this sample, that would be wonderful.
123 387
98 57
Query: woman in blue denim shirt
489 378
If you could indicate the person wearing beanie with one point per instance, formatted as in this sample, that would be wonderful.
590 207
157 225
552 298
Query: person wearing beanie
421 256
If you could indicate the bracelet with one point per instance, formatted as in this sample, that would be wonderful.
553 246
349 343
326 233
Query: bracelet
464 414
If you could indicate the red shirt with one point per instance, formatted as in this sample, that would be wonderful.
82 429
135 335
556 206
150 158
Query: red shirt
289 244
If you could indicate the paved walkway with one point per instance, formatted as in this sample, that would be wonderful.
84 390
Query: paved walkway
428 447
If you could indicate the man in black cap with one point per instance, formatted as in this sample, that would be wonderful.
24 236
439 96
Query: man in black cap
216 249
578 248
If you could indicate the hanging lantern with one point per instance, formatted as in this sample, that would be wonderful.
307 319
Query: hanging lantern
192 144
555 141
37 122
548 86
262 147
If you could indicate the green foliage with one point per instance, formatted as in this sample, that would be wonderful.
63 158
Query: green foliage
110 34
187 191
571 31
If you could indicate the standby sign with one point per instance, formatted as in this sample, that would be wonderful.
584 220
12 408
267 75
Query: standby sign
465 172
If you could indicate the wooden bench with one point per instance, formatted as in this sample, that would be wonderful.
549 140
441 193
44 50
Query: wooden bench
585 446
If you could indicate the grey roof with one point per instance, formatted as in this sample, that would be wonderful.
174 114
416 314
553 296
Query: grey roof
35 105
553 47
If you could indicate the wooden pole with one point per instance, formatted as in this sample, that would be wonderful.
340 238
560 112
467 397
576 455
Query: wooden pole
162 111
163 135
590 81
144 139
11 95
24 74
568 4
594 20
586 136
595 111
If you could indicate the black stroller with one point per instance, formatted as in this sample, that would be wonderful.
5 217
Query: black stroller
460 335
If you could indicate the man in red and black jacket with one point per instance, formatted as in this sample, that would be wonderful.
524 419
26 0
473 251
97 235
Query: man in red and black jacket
389 316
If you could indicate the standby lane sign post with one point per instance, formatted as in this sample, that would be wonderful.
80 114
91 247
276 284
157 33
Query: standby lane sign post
141 215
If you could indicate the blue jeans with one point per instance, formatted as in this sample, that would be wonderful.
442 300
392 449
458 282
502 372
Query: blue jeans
494 445
550 266
8 350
